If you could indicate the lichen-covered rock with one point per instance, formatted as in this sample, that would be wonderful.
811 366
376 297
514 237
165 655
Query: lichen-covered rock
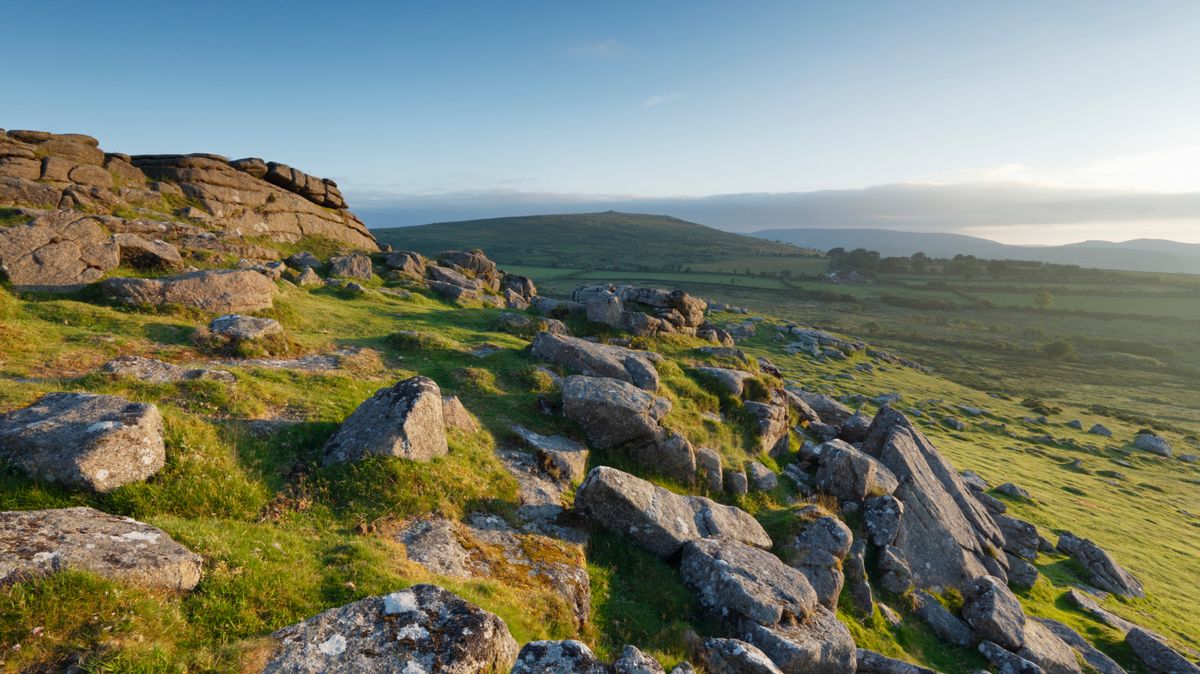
855 569
994 612
596 360
227 290
658 520
159 372
734 656
709 463
828 410
1153 443
1156 655
732 381
421 629
244 328
456 416
1021 574
761 478
817 552
351 266
881 517
819 645
404 420
771 421
561 457
1020 537
895 573
945 534
558 657
733 580
41 542
612 412
1102 569
144 253
851 475
95 442
56 256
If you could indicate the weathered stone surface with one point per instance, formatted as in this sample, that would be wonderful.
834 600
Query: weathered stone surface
895 573
817 551
945 625
803 412
1102 569
403 420
855 428
761 477
1153 443
421 629
596 360
828 410
561 457
1156 655
1089 605
1020 537
456 416
433 544
228 290
1010 489
521 285
303 260
41 542
734 656
855 569
881 517
820 645
1091 655
633 661
658 520
84 440
994 612
612 412
771 420
1021 574
851 475
351 266
475 262
309 278
1007 662
56 255
708 461
159 372
244 328
870 662
558 657
734 581
947 536
145 253
1043 648
732 381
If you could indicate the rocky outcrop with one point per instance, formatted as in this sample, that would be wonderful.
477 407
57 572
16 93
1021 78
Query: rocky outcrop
404 420
249 196
945 534
84 440
1102 569
829 410
41 542
596 360
851 475
659 520
641 311
421 629
1095 659
224 291
351 266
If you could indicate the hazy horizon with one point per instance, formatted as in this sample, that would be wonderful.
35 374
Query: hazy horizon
1018 122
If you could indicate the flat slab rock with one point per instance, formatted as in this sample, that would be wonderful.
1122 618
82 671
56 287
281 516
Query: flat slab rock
159 372
658 520
738 581
84 440
42 542
226 290
421 630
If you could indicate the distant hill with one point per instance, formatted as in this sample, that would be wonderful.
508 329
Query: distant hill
1153 255
593 240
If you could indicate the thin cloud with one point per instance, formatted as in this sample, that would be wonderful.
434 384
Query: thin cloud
660 99
601 49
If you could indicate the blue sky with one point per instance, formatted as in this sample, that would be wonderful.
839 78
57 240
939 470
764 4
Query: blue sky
540 104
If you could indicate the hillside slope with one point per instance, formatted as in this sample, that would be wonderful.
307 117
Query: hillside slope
592 240
1137 255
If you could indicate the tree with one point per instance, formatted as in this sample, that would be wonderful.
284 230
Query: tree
1059 349
1043 299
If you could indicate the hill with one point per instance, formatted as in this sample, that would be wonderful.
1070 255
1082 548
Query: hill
1151 255
594 240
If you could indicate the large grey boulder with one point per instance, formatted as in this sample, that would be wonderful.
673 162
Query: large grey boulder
870 662
659 520
403 420
1156 655
771 424
945 534
421 629
407 263
820 645
851 475
1045 649
84 440
828 409
1103 571
41 542
1153 443
142 253
612 412
558 657
817 552
351 266
226 290
734 581
1095 659
596 360
734 656
994 612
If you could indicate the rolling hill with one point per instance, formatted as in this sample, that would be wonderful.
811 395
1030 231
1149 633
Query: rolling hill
596 240
1153 255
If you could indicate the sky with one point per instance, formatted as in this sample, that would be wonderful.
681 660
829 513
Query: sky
427 111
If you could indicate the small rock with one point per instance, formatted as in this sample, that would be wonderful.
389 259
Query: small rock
1097 429
761 477
1010 489
1152 443
244 328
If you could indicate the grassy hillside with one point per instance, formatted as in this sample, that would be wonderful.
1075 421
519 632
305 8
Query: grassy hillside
603 240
